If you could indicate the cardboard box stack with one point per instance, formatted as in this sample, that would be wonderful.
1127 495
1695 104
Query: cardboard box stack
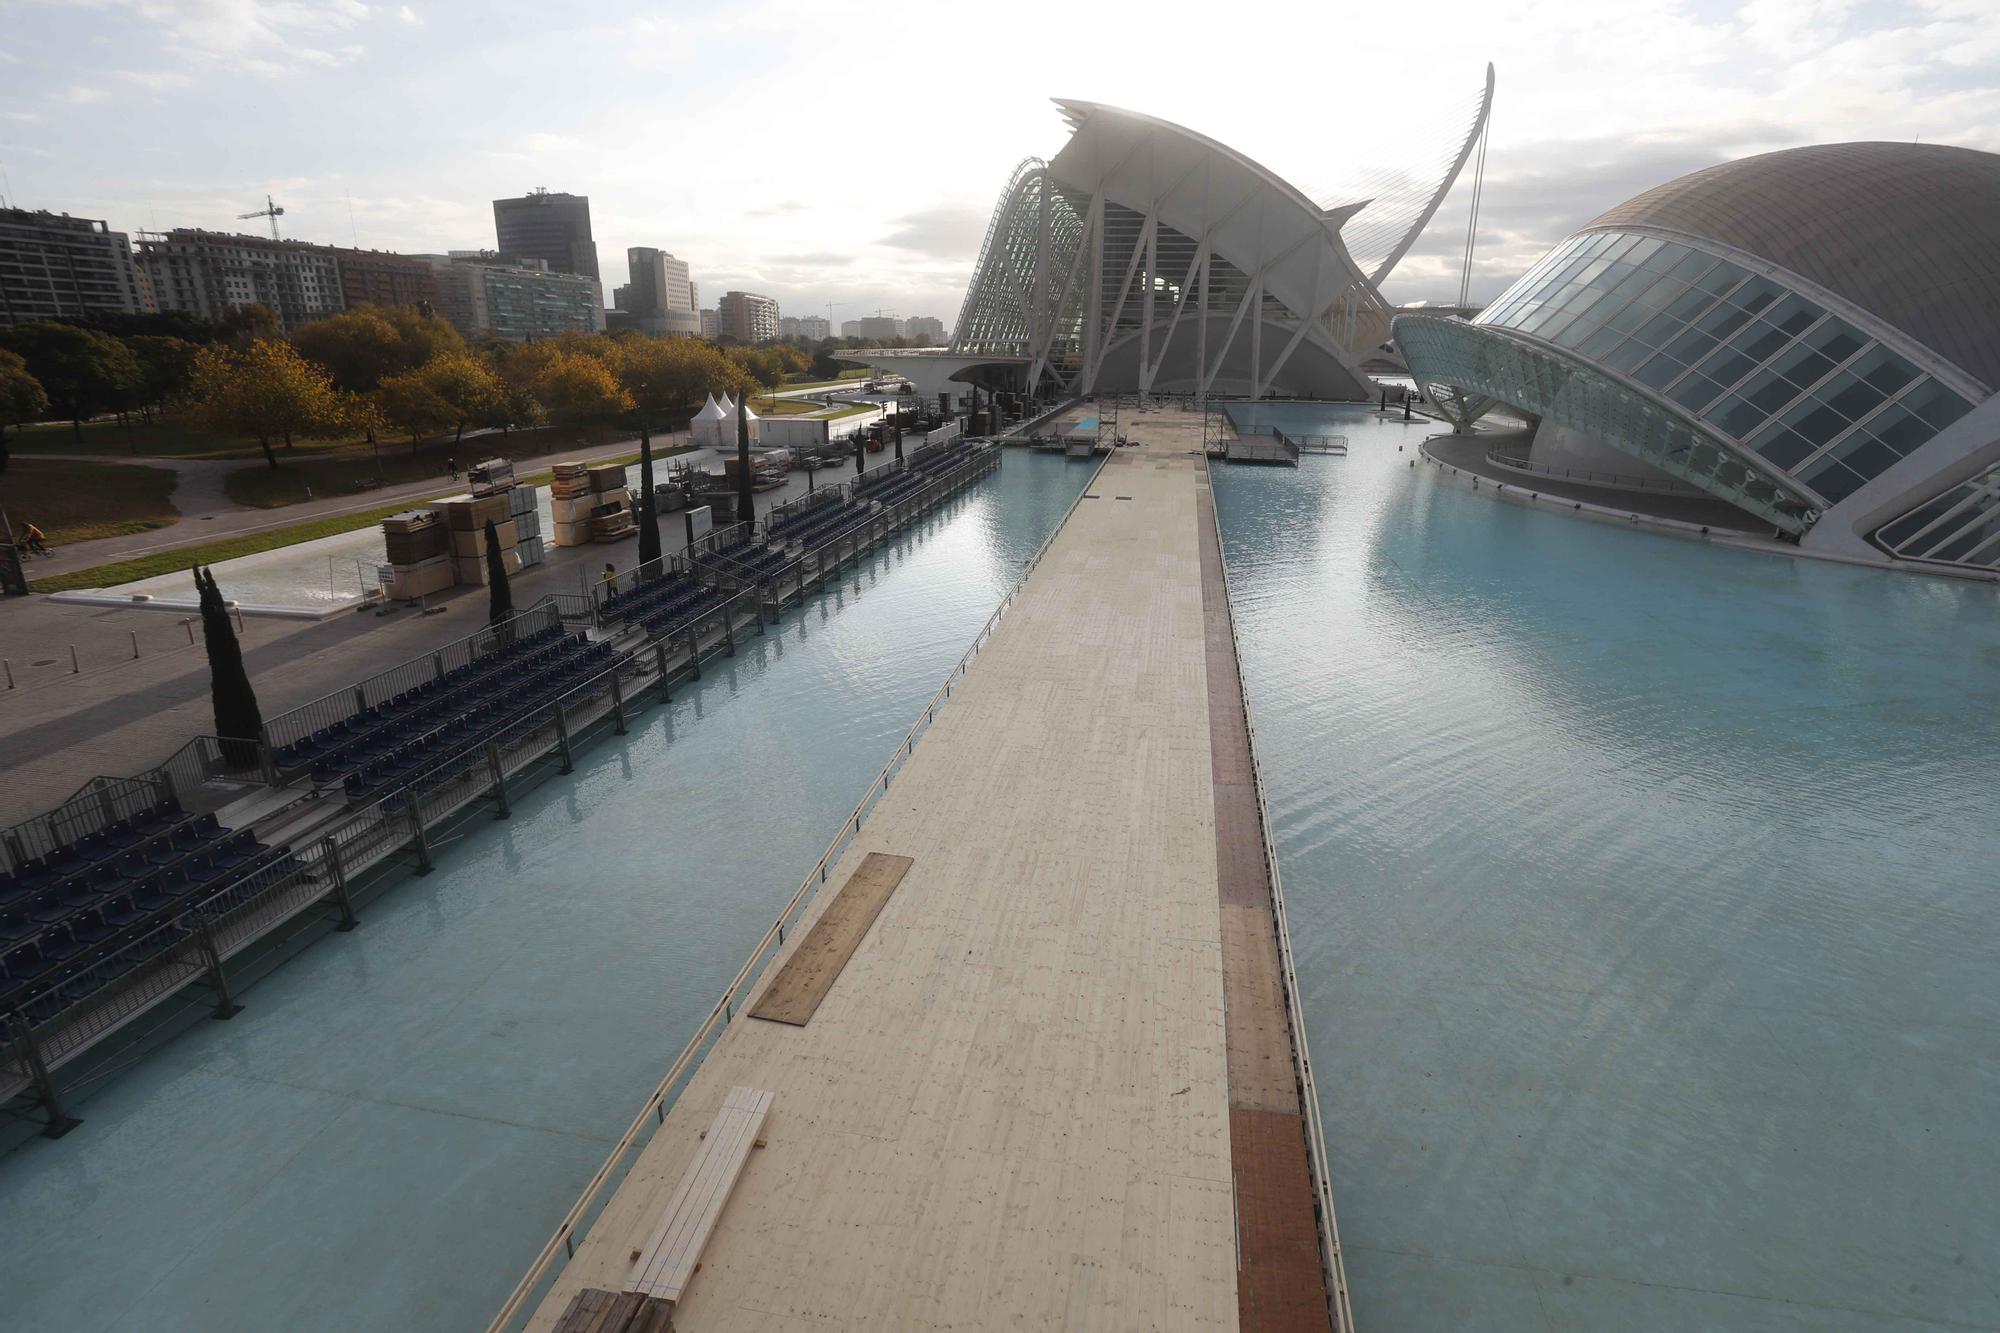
419 554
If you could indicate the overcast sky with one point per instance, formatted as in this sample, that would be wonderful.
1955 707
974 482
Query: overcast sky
852 153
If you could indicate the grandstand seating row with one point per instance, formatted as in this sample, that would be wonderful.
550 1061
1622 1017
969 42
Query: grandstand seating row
374 739
314 747
523 696
61 942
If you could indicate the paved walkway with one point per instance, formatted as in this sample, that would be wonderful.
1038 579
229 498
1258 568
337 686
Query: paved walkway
1015 1102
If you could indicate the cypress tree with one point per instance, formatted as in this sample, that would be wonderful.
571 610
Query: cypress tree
238 721
501 603
649 521
745 506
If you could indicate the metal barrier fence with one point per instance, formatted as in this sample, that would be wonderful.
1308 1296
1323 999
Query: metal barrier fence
345 702
98 803
1616 480
1333 1267
639 1133
190 947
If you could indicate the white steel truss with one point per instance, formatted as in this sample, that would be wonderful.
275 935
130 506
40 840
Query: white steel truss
1147 258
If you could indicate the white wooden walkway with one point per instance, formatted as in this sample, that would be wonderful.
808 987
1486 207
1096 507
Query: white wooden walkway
1011 1107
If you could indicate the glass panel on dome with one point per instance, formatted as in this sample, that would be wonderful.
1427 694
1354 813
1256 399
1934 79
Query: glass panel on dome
1769 391
1760 342
1734 416
1659 372
1900 428
1642 249
1936 404
1756 294
1691 346
1794 314
1690 264
1721 278
1695 391
1833 480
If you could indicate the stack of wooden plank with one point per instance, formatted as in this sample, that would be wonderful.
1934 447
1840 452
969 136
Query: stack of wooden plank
418 547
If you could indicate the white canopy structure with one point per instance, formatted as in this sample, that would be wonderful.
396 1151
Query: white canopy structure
1145 257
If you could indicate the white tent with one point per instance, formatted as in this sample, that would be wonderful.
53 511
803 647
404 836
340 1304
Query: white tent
711 425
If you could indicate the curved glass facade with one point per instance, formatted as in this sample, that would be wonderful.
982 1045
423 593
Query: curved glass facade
1816 399
1960 527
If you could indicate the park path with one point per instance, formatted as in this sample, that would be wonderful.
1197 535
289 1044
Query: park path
208 513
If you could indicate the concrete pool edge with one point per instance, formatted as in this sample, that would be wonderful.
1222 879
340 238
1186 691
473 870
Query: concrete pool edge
101 598
1516 493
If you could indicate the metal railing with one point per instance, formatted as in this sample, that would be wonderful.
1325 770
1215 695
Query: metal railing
1618 480
97 804
298 723
1333 1266
722 1013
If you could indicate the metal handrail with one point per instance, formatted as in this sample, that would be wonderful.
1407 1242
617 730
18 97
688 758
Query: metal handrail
722 1012
1330 1252
1619 479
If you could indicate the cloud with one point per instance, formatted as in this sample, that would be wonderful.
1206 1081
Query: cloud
263 37
777 210
949 231
815 259
409 16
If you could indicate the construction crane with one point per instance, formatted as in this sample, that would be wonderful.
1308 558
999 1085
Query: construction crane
269 210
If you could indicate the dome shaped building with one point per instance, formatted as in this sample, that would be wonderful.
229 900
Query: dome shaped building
1811 335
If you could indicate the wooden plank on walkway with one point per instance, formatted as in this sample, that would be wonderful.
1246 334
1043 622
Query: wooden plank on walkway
1278 1284
667 1263
795 993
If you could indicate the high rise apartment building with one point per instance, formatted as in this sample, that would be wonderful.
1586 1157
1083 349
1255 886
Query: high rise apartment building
208 272
661 295
750 316
54 266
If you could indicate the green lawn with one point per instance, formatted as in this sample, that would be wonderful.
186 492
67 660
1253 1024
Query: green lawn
75 502
106 436
356 471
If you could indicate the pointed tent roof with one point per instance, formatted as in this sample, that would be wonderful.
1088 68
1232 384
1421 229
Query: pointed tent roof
749 412
710 411
728 408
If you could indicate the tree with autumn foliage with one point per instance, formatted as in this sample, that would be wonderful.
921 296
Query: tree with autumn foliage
664 374
448 392
576 387
266 391
21 397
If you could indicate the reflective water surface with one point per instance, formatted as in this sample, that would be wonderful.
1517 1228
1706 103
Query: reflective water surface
389 1131
1644 897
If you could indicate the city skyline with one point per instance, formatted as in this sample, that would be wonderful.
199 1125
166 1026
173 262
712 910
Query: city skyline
1586 112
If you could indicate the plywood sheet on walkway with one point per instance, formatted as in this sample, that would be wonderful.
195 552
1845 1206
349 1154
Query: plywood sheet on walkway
795 993
1013 1105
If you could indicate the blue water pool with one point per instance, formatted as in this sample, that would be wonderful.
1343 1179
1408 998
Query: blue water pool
1085 426
1644 896
389 1131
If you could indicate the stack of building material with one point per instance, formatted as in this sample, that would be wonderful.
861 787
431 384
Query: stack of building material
491 477
465 518
611 518
571 504
419 552
527 525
